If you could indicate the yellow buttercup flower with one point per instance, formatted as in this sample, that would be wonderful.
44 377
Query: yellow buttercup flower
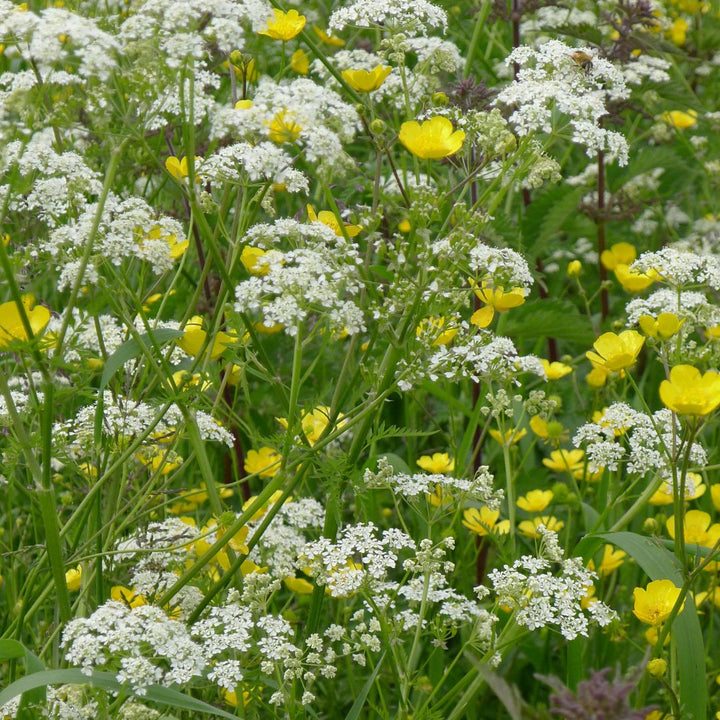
715 496
495 299
565 460
529 528
550 430
11 325
285 26
179 168
366 80
535 501
485 521
274 498
690 393
619 254
299 585
555 370
299 62
632 280
698 528
176 248
156 459
694 488
611 560
616 352
252 259
328 218
431 140
283 128
511 437
434 330
264 462
231 698
326 39
314 423
664 327
679 119
437 463
73 578
677 32
597 377
655 602
126 596
194 337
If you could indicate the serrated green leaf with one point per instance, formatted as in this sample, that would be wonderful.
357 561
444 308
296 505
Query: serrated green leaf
545 216
130 349
107 681
548 318
660 564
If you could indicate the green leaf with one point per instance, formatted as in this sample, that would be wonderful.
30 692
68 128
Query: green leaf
12 649
660 564
130 349
548 318
107 681
545 216
357 706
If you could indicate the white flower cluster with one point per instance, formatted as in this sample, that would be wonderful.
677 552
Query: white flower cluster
185 29
56 38
62 183
86 333
414 17
689 305
124 419
142 643
479 488
362 556
283 539
320 278
550 80
645 443
477 356
644 69
128 229
261 163
681 269
315 116
542 598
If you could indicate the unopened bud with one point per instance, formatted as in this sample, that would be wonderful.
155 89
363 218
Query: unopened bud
574 268
378 126
657 667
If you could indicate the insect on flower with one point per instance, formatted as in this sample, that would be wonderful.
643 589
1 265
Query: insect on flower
583 59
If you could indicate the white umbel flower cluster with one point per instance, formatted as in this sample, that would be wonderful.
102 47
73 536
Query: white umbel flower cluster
479 488
265 162
681 269
543 598
414 17
477 356
124 419
362 556
645 443
320 278
315 117
551 81
148 646
55 38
